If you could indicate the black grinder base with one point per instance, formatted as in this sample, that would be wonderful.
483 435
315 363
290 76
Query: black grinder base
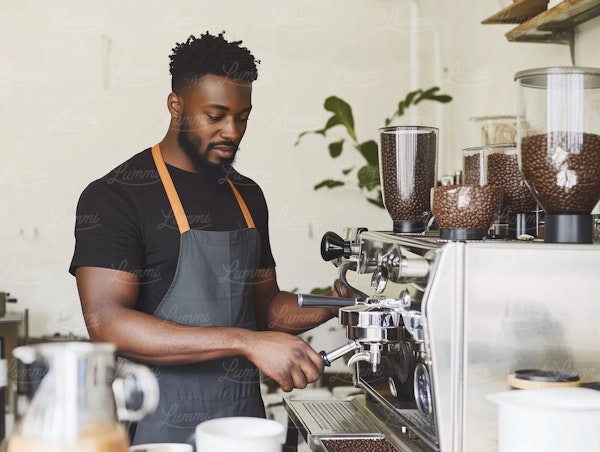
463 234
408 227
569 228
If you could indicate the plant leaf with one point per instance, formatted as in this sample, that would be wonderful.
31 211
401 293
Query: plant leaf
377 201
400 110
321 290
347 171
427 94
368 177
335 148
410 96
342 114
443 98
329 183
306 132
369 151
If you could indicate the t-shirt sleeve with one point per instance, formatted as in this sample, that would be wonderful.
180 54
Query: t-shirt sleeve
107 231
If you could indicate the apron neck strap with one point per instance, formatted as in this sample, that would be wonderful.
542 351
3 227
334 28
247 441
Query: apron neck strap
180 217
242 204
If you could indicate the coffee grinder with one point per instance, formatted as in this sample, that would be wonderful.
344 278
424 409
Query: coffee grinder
408 171
558 142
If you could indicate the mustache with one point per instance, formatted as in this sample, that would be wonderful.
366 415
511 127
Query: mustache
229 143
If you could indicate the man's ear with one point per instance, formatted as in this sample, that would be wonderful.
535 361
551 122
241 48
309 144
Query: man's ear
175 105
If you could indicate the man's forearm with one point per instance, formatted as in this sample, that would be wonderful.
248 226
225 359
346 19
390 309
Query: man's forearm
284 314
155 341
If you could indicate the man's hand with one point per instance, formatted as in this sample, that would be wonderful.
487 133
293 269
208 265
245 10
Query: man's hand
341 291
287 359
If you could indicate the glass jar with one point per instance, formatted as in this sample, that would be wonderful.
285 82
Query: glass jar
408 172
497 129
558 143
474 166
519 207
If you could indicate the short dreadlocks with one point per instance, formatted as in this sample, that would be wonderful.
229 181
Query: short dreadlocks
210 54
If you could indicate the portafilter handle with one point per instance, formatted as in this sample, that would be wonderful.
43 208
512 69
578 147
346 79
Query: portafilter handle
328 358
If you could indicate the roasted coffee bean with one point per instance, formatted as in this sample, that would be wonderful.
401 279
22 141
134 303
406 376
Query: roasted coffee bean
472 169
466 206
358 445
503 171
408 176
563 170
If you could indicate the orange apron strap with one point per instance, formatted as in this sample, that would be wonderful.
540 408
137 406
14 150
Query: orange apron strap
243 206
165 177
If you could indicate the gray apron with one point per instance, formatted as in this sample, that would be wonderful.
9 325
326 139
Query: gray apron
213 286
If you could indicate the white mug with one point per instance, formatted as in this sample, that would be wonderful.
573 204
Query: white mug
162 447
234 434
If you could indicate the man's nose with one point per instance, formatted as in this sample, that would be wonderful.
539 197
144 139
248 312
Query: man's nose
232 130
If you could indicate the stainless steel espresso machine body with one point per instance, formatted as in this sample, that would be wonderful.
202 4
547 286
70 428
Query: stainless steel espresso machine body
437 325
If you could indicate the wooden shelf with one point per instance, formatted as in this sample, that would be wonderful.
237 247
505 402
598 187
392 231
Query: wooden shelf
518 12
538 24
557 23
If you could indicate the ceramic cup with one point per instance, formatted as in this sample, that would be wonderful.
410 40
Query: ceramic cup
162 447
233 434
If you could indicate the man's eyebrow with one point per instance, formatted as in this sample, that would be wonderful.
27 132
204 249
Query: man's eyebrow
224 108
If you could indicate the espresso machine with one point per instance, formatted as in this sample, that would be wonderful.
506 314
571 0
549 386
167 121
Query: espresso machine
436 324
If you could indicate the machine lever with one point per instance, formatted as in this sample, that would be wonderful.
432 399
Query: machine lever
323 301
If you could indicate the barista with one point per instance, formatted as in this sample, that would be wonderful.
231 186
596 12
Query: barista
177 268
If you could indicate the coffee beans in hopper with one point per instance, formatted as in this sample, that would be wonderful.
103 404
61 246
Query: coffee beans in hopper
466 206
563 169
408 176
503 171
472 169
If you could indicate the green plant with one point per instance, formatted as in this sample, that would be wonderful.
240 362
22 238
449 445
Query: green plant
368 174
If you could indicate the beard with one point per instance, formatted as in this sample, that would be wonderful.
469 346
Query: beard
191 146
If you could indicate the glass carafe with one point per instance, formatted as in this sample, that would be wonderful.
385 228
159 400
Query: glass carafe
81 399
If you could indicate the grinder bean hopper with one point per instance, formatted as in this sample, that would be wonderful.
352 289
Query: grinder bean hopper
408 165
558 142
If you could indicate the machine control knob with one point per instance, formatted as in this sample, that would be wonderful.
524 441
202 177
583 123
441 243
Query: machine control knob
334 246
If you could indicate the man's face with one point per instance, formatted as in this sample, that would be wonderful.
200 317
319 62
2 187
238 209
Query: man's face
213 121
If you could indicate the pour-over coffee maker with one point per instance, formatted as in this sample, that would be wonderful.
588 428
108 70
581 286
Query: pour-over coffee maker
558 142
407 168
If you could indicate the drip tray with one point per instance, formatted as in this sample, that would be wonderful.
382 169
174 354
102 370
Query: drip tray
319 420
335 425
331 417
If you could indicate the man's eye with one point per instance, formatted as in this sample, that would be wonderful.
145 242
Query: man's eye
214 118
243 119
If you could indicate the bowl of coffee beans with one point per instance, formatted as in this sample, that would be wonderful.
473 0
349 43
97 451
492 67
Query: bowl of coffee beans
465 212
563 169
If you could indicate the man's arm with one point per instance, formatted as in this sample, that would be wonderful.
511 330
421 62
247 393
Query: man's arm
108 297
278 310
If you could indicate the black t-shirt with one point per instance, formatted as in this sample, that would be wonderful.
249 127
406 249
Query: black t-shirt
125 222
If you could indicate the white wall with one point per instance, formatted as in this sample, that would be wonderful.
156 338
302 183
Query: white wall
83 86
